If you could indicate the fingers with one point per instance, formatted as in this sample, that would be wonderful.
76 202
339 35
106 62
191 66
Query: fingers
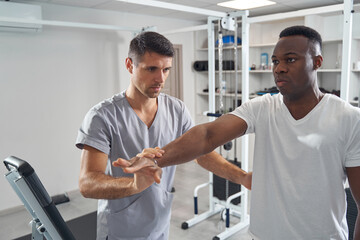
146 167
151 152
138 163
121 163
143 159
155 172
157 175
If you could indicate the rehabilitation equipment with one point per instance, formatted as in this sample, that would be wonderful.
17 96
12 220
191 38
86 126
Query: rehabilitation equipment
46 219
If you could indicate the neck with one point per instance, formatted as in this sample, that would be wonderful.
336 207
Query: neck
138 100
300 107
142 105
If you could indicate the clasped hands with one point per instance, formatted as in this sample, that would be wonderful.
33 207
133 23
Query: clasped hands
143 163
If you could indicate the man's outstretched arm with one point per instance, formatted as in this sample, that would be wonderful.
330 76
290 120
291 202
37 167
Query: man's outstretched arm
198 141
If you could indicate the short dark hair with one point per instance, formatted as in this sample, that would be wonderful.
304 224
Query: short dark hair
149 42
307 32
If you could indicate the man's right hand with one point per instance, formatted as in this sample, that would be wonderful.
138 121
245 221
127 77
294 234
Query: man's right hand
143 162
143 180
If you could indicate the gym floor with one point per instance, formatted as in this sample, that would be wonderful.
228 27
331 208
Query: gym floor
187 177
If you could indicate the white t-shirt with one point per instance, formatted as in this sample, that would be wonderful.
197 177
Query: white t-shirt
299 167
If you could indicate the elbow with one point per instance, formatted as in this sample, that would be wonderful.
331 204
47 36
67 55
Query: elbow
84 190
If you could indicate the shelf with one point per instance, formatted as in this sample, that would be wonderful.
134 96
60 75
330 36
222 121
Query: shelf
240 71
259 45
260 71
270 71
332 41
330 70
224 48
262 45
227 95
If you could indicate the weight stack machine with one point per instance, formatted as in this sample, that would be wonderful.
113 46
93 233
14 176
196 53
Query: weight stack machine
227 198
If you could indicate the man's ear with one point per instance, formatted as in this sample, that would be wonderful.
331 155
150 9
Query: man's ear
318 60
129 65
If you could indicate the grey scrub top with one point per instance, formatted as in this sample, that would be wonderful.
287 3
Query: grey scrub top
113 127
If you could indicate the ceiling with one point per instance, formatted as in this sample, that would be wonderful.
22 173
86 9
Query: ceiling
279 7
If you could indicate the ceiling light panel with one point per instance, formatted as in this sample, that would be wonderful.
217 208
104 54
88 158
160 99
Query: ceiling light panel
246 4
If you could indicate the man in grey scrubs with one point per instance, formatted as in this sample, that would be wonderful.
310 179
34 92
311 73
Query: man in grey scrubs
132 206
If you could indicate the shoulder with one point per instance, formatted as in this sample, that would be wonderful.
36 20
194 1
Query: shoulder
116 101
336 102
170 101
266 100
341 108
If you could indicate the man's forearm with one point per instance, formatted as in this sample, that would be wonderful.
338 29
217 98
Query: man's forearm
101 186
189 146
357 227
215 163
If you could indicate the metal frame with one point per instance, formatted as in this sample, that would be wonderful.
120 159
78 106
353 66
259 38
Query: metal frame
346 50
215 205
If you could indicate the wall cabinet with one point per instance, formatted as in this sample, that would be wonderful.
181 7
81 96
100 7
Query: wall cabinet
262 39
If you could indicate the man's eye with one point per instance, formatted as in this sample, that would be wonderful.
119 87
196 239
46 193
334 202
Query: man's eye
166 69
275 62
151 69
290 60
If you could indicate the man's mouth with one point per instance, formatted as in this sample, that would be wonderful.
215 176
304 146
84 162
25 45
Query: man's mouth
280 82
156 88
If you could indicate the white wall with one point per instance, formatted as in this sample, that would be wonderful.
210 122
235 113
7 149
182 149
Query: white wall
49 80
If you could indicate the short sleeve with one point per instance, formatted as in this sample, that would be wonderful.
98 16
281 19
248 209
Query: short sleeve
246 111
187 120
94 132
352 158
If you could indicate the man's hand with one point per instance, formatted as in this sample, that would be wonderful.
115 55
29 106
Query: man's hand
143 162
142 180
246 181
151 153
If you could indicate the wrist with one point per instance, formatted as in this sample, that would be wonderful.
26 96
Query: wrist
156 163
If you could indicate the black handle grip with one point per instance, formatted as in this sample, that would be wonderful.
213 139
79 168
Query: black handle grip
20 165
213 114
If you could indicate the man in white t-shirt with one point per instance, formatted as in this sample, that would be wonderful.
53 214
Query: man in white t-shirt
307 144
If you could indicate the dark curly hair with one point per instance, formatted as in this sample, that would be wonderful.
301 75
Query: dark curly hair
149 42
307 32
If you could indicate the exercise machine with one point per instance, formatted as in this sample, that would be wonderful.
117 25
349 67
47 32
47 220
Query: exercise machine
226 205
46 219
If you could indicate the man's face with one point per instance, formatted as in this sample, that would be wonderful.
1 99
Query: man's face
150 73
294 66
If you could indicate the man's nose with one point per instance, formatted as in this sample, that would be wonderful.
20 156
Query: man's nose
280 68
161 77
